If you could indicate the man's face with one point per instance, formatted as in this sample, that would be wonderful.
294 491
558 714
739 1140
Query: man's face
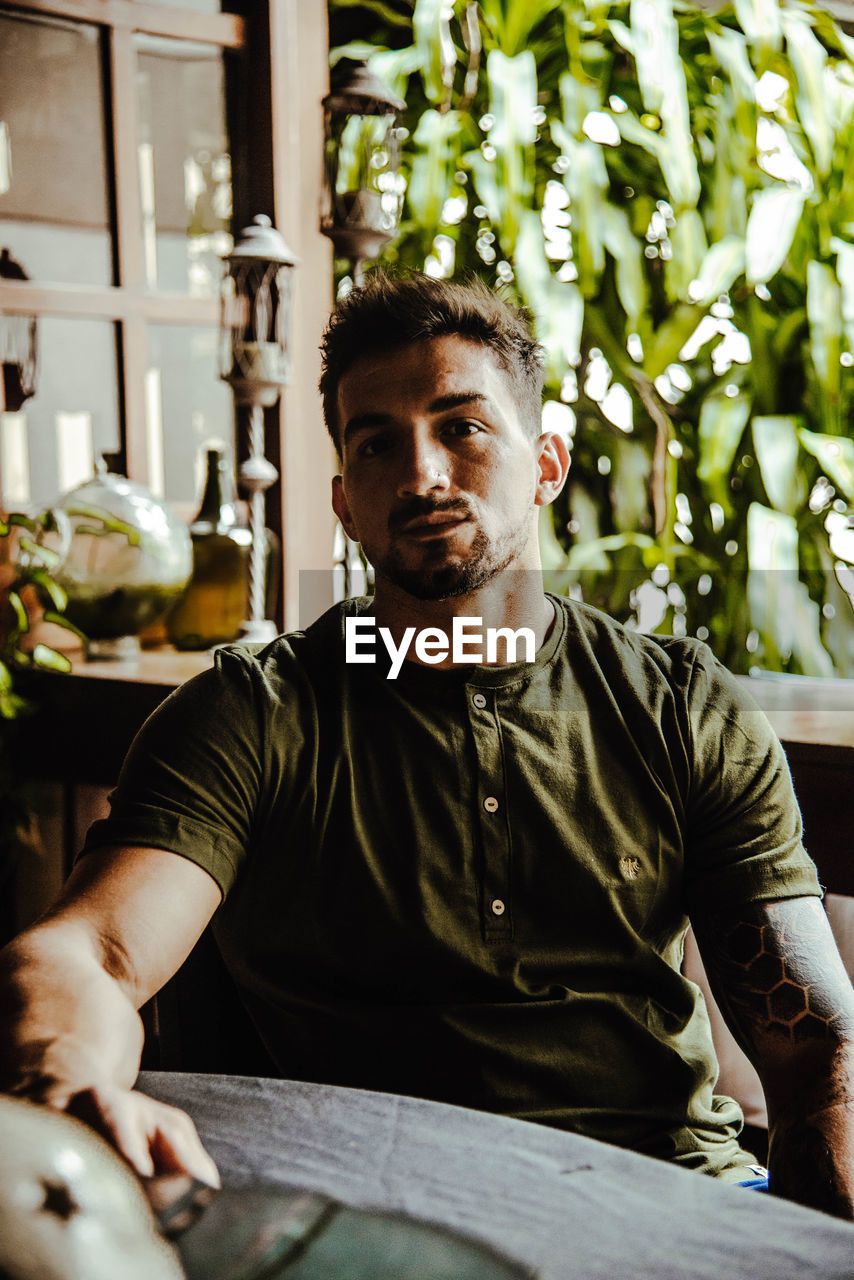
440 479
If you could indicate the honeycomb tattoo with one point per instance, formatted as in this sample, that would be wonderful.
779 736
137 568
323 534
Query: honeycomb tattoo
784 997
781 970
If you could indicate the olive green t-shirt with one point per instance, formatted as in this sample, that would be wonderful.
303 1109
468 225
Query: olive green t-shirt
473 885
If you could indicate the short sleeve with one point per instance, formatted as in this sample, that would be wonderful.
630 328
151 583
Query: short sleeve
190 783
744 832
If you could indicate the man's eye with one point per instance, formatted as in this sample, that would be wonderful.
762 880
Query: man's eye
462 427
372 446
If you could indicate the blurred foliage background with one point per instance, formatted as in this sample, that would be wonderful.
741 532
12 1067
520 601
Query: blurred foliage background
670 192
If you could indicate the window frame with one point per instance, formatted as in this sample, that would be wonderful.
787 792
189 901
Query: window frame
274 82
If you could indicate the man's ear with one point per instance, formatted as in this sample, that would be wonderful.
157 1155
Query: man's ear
341 509
553 464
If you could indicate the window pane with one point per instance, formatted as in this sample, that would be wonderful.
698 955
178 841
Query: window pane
51 443
54 210
188 408
184 164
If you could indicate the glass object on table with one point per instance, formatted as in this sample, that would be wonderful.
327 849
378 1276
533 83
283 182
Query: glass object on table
215 604
128 561
184 164
70 1206
54 208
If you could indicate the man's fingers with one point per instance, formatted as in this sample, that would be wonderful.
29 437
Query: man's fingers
154 1138
116 1119
176 1146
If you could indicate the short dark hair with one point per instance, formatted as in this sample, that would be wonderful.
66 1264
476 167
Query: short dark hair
388 312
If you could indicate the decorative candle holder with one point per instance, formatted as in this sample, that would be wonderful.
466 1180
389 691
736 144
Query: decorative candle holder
255 361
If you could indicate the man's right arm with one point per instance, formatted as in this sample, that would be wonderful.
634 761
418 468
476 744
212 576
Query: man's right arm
70 988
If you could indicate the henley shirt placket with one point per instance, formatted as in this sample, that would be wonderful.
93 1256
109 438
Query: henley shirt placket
492 811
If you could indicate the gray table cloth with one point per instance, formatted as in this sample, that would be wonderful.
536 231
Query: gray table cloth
563 1205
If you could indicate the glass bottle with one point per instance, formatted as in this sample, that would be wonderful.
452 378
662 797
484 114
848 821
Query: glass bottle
215 603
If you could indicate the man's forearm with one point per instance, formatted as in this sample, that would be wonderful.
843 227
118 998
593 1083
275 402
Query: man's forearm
66 1023
781 985
70 987
811 1152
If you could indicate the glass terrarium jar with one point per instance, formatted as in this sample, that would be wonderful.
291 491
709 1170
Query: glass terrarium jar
128 561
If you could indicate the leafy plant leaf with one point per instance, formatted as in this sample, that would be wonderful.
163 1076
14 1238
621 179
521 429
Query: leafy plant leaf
720 268
775 438
760 21
780 605
774 216
51 659
824 312
722 422
809 60
835 455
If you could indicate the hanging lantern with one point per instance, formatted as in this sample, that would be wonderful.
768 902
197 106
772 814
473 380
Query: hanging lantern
18 345
256 303
363 190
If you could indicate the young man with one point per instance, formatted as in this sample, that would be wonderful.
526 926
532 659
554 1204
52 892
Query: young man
451 872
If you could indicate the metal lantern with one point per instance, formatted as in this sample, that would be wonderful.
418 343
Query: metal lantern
363 191
255 359
18 345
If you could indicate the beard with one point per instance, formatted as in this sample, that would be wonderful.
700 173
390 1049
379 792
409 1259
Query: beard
450 577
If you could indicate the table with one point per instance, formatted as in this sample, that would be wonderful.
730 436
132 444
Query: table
568 1207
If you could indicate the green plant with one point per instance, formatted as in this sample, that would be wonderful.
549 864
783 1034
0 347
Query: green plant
671 194
27 591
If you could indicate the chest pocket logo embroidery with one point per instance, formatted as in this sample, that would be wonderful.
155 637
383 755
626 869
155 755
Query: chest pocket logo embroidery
630 868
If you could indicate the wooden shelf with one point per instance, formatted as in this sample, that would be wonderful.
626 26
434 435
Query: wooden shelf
164 666
807 711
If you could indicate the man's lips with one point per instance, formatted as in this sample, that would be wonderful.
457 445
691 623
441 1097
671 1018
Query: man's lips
432 525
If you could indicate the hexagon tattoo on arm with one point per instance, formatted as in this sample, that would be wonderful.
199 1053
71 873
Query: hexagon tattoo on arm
776 970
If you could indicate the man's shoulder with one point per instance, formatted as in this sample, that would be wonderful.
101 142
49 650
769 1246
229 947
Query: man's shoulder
623 652
641 670
297 654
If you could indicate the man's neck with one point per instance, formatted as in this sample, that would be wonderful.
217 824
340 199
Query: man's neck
512 601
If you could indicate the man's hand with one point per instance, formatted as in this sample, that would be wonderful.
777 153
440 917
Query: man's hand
63 1073
70 988
153 1137
777 975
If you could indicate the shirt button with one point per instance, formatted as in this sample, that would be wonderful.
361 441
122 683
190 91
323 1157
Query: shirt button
490 804
498 907
479 701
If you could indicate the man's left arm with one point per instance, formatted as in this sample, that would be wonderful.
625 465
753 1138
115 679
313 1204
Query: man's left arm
777 975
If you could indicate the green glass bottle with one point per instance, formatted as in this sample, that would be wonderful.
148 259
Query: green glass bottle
216 601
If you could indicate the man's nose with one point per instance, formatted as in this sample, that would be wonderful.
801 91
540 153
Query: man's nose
425 469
